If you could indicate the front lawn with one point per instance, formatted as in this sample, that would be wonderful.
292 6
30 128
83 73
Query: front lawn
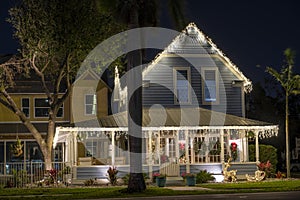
109 192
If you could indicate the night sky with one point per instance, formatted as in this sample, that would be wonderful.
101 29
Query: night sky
253 33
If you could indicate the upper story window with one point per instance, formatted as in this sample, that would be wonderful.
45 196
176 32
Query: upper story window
210 86
90 104
25 106
41 108
182 84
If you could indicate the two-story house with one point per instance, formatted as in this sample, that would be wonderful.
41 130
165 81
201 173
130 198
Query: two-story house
193 115
29 96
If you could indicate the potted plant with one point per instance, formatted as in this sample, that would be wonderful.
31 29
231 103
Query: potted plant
155 174
190 178
160 179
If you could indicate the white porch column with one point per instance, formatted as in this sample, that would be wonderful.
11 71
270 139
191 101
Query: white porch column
222 146
150 153
158 147
244 142
176 146
187 157
167 146
256 146
112 148
75 148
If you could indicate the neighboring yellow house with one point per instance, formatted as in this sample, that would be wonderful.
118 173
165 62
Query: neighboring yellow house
29 96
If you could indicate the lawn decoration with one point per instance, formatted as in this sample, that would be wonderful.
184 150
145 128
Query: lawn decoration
258 176
229 176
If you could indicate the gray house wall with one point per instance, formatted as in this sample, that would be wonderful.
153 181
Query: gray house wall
161 84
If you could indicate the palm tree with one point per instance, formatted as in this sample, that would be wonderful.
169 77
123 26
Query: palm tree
138 13
291 85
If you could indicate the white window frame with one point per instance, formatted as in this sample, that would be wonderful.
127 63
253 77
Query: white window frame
34 108
25 107
188 69
204 100
94 104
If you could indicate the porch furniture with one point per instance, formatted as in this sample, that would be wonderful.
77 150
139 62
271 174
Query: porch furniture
85 161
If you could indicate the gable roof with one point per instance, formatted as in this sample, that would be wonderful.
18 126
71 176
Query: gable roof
193 41
90 75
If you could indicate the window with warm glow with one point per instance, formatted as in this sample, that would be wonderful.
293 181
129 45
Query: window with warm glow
181 85
210 86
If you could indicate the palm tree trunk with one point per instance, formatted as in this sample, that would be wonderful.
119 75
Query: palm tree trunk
136 181
288 171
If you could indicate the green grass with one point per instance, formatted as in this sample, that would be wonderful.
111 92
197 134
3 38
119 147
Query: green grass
110 192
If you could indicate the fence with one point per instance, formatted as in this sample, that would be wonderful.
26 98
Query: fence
33 174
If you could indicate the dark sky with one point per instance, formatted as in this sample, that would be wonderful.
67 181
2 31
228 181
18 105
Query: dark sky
251 33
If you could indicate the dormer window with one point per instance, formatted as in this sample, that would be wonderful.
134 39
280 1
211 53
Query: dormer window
182 85
210 87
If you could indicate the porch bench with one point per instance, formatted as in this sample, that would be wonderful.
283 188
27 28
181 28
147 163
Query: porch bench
85 161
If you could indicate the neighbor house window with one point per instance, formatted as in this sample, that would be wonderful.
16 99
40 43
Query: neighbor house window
90 104
210 85
25 106
41 108
182 85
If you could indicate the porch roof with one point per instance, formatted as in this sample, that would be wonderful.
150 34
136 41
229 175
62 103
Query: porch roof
178 117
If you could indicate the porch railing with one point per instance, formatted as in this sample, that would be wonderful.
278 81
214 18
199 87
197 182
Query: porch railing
33 174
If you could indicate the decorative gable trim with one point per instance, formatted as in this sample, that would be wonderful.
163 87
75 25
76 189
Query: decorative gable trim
194 37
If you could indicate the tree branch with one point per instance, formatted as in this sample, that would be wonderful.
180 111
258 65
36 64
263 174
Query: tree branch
41 75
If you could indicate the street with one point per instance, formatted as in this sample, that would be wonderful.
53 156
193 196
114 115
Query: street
257 196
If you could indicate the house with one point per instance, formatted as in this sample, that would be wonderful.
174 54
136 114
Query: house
193 116
31 99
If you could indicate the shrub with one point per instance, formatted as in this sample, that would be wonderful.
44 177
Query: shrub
266 153
266 167
279 174
89 182
112 175
203 177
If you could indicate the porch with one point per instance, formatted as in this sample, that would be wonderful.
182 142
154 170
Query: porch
191 149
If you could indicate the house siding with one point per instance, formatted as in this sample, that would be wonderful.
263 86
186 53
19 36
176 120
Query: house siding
160 90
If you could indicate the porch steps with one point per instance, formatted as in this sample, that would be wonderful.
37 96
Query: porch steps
174 181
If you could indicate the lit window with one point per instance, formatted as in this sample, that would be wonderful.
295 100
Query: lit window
182 84
25 106
90 104
41 108
210 86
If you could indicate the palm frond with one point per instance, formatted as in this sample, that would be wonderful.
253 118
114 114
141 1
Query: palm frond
278 76
295 85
